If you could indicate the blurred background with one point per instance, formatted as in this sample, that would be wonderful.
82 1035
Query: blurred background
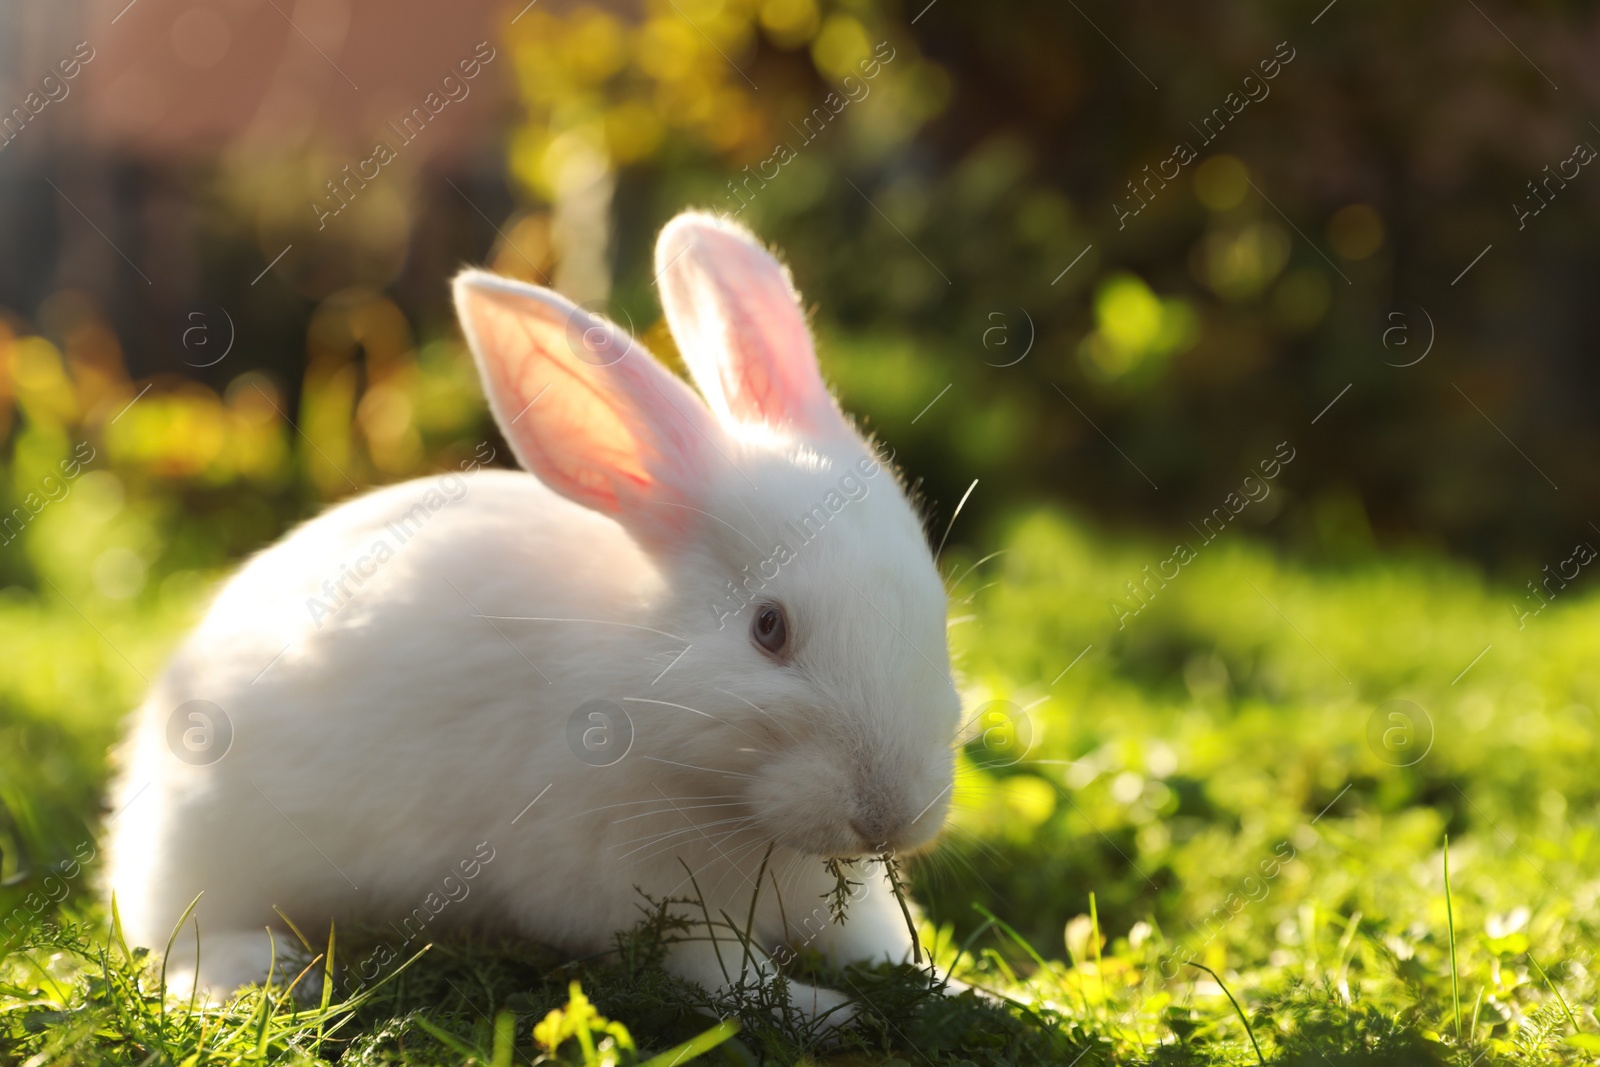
188 223
1102 259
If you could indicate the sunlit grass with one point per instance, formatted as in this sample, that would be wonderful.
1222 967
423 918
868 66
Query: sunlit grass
1200 845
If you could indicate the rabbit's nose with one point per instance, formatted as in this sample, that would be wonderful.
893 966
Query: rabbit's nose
874 831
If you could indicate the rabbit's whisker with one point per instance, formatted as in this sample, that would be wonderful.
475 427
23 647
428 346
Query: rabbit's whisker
761 711
954 515
972 869
975 843
691 875
650 839
746 848
675 807
680 846
957 583
697 711
653 800
692 767
725 522
970 597
746 822
794 869
712 841
791 872
733 866
723 854
939 796
597 622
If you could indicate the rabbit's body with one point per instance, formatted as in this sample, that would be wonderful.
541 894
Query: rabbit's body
411 683
341 735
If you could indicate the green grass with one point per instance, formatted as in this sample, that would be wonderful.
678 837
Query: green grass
1175 843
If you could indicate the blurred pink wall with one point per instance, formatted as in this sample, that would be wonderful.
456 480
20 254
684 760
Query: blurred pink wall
171 80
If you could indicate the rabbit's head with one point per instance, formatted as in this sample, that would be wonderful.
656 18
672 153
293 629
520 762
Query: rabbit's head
794 567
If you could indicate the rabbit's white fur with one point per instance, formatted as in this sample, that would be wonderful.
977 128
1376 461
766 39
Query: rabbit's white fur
383 748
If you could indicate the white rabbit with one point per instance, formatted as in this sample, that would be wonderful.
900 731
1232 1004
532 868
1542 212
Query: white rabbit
695 631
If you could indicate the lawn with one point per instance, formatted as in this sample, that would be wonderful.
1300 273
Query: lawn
1214 829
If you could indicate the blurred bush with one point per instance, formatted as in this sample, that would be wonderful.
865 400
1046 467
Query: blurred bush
955 190
997 146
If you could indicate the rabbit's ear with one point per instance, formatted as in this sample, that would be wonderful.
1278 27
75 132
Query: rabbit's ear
740 327
587 408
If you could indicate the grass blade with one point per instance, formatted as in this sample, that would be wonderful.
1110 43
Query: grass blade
706 911
1033 953
194 987
289 992
1450 917
1094 947
962 951
449 1040
327 988
1247 1027
266 997
505 1039
293 928
1552 987
695 1046
116 937
172 939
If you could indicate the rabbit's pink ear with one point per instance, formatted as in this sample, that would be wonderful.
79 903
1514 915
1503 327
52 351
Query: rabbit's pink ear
740 327
586 407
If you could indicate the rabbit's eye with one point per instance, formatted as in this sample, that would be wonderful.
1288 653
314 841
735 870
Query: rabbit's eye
770 629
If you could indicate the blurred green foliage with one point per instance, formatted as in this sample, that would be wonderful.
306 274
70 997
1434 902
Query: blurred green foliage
1316 242
948 183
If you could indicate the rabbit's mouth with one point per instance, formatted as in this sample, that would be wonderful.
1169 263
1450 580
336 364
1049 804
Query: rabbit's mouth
854 838
900 838
817 800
